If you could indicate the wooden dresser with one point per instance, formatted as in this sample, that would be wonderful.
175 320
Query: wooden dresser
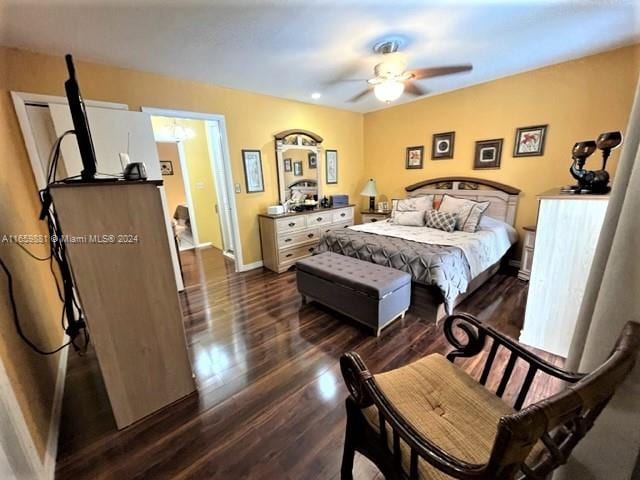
566 236
289 237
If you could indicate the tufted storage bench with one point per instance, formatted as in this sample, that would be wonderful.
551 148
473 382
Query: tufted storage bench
371 294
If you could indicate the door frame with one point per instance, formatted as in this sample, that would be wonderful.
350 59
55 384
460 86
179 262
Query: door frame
214 117
217 160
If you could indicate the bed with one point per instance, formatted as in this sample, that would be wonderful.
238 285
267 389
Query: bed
445 267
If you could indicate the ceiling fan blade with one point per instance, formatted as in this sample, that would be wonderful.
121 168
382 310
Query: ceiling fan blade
349 73
361 95
420 73
412 89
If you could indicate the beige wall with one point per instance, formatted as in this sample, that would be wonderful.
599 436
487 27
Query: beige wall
578 99
31 375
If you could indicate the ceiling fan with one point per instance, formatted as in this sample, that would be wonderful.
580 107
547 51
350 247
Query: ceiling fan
392 78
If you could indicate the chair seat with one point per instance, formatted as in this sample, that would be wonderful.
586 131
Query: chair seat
446 406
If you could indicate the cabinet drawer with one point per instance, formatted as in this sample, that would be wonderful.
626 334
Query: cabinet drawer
370 218
322 218
342 215
291 255
292 223
290 239
337 226
529 239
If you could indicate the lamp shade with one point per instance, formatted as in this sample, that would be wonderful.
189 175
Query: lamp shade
369 189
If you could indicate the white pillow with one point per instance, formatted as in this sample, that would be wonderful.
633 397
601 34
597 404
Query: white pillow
468 212
422 204
410 219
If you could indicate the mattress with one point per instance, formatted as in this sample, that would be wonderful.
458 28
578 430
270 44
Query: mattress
448 261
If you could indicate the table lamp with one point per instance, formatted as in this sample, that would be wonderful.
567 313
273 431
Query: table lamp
370 191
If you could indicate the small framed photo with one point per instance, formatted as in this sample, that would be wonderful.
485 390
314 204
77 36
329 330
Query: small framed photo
442 145
297 169
166 167
529 141
252 161
488 153
383 206
331 158
313 160
287 164
415 157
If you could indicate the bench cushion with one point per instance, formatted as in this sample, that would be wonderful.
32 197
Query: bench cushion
374 280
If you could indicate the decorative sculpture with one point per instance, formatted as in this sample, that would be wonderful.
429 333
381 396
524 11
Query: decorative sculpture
593 181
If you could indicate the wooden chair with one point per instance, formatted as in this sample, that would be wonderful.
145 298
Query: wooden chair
431 420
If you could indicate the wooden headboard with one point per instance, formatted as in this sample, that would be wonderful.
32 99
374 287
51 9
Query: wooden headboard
503 198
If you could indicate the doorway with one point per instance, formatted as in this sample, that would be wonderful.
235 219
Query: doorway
194 155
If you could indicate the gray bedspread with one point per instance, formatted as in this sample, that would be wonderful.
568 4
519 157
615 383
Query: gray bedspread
443 266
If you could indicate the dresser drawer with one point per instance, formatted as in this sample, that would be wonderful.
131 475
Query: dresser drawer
291 224
322 218
290 239
342 215
336 226
291 255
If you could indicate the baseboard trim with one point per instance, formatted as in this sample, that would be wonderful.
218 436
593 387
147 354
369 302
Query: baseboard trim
229 255
205 245
250 266
56 411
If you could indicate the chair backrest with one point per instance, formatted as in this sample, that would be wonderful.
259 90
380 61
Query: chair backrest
559 422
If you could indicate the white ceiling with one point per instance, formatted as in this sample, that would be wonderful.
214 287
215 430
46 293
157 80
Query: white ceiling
293 48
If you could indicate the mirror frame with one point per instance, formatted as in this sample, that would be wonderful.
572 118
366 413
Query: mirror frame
282 145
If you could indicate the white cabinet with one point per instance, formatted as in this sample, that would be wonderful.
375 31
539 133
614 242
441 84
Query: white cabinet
567 233
285 239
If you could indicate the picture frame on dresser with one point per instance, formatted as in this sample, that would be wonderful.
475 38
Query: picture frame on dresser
252 163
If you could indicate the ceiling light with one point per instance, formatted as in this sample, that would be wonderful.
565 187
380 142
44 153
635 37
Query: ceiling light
316 95
388 90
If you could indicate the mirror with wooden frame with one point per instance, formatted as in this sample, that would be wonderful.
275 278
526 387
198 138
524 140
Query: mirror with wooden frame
299 166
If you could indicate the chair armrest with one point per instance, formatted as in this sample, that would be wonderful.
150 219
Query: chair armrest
365 393
476 333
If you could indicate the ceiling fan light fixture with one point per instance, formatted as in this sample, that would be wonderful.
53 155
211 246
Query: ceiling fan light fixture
388 91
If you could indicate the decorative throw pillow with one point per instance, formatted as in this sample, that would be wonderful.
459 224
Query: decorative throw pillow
468 212
415 204
410 219
441 220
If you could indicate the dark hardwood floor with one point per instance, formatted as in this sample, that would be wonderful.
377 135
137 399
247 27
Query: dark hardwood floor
270 403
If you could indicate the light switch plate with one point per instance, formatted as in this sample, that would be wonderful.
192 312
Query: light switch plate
238 188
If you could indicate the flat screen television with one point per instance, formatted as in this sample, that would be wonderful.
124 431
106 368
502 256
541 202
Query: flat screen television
80 123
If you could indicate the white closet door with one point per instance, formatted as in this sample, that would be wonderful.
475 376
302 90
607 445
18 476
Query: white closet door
111 131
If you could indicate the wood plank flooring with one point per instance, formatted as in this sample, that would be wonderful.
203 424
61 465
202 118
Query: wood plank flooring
270 403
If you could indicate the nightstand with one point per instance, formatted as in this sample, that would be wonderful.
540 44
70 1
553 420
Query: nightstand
527 253
369 216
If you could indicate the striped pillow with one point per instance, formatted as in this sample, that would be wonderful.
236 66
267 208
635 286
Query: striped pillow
441 220
467 211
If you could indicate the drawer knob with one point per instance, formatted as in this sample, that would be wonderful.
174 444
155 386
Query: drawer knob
311 249
343 214
292 224
289 255
310 235
374 220
319 219
287 239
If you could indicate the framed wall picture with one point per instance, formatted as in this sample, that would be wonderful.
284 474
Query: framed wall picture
529 141
488 153
442 145
166 167
252 161
297 169
415 156
313 160
331 158
287 164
